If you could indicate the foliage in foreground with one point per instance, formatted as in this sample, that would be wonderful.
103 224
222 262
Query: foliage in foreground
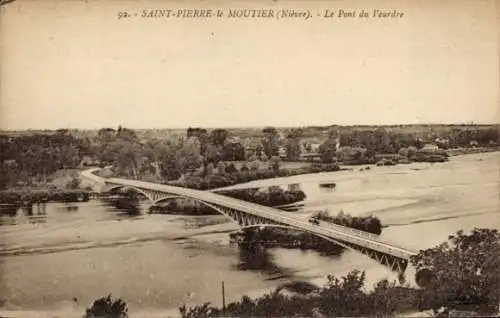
106 307
339 297
462 274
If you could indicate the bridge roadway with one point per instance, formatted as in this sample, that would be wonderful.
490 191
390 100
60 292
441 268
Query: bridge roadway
333 231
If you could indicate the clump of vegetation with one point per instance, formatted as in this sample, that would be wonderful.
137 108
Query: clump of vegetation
30 158
461 274
290 238
27 196
230 175
339 297
368 224
106 307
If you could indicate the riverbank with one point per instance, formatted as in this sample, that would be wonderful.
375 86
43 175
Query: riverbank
61 186
423 203
468 151
442 287
244 175
29 196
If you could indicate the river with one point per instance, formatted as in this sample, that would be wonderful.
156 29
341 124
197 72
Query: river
63 256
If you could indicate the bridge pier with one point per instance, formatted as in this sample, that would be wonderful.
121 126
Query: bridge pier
249 214
396 264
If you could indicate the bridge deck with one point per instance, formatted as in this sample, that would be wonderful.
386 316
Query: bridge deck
333 231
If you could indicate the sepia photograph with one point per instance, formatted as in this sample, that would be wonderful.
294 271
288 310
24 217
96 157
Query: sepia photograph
195 159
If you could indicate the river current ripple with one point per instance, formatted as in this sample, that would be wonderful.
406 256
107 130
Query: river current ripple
60 257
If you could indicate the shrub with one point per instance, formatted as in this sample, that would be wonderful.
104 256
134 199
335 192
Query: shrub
463 273
106 307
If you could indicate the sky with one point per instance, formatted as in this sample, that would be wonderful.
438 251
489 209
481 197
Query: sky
73 64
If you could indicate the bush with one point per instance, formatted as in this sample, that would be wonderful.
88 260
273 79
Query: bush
106 307
339 297
368 224
463 273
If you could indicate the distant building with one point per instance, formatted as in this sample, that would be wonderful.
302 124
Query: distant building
87 161
310 156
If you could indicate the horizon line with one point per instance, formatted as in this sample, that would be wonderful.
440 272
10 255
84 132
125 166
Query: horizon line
251 127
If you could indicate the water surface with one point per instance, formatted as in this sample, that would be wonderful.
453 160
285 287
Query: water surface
62 256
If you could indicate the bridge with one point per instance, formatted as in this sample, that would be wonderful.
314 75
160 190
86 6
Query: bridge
246 214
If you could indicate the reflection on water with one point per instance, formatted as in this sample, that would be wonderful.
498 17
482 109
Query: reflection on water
256 257
13 214
124 206
115 247
119 207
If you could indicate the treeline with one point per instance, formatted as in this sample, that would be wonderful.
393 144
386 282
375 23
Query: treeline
31 158
384 140
165 159
364 145
369 224
227 175
28 197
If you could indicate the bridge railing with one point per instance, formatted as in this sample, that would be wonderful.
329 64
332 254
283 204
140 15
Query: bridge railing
352 230
342 233
358 237
347 235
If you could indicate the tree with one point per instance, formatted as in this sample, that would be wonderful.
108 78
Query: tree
214 154
292 145
106 135
126 134
126 157
233 151
327 150
218 137
221 168
164 153
270 141
231 168
462 273
419 143
209 169
383 141
244 167
255 165
74 183
189 156
106 307
202 135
